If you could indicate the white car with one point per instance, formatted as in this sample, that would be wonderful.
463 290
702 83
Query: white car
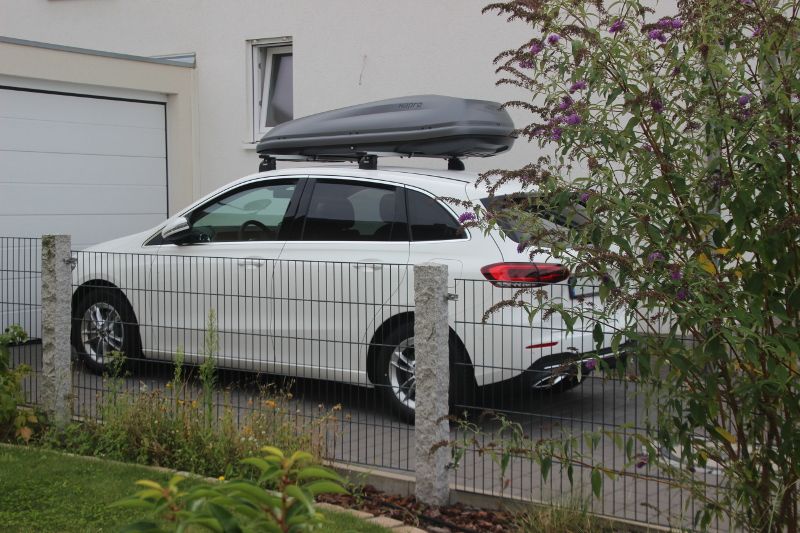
308 271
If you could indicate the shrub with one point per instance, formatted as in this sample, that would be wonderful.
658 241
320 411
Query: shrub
280 500
14 422
674 159
183 428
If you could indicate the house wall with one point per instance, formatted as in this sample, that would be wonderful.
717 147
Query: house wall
345 52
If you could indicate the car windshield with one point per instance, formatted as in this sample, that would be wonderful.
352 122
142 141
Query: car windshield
549 222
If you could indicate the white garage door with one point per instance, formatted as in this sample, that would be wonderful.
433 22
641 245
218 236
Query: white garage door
94 167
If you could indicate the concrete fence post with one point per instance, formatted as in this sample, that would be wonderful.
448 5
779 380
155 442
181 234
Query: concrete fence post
56 323
431 353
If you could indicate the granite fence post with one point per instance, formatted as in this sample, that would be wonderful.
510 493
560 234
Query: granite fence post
431 331
56 323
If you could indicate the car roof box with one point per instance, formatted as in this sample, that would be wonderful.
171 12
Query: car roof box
419 126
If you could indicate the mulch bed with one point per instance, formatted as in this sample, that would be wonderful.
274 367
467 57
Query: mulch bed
446 519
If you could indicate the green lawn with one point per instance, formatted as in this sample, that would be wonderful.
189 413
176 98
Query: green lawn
42 490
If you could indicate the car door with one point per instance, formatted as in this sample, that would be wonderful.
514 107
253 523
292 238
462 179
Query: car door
345 264
225 267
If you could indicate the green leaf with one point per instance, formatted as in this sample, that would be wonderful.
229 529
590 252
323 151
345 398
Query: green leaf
722 432
297 493
597 483
272 450
258 462
318 472
547 463
324 486
597 333
225 518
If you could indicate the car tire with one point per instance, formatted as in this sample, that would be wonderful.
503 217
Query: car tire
395 364
103 322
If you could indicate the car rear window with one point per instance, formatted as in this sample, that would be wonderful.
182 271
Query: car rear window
512 206
429 221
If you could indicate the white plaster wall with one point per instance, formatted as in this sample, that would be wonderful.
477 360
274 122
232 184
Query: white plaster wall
346 52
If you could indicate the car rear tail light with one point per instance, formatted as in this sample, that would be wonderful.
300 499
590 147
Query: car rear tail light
520 275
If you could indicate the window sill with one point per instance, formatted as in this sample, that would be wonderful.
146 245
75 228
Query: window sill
249 145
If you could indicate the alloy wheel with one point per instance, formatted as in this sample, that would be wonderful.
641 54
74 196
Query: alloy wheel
402 373
102 331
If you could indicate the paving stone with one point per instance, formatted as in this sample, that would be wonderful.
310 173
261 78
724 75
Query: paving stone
407 529
337 509
385 521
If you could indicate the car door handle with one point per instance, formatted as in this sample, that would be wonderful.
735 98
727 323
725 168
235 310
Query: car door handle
257 262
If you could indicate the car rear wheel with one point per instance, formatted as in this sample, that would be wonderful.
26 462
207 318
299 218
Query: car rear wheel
104 326
396 372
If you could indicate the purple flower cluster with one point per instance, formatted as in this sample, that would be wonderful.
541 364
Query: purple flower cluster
526 63
573 119
670 23
655 256
555 134
465 217
617 26
553 38
758 31
682 294
536 47
675 273
566 103
749 3
521 247
585 197
657 35
577 86
657 105
744 100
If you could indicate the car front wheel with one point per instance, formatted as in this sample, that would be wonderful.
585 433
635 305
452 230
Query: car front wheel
103 326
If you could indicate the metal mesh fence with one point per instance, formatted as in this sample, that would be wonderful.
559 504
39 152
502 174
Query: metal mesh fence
539 382
326 349
21 304
291 337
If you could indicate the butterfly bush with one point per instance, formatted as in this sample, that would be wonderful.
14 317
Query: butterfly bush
677 138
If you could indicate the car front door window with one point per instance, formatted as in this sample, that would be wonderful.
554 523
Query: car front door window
253 213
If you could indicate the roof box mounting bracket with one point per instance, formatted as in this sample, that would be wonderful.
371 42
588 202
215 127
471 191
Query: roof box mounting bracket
368 162
267 163
455 163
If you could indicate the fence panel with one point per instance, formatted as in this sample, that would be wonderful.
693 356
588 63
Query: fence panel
538 383
320 348
290 339
21 303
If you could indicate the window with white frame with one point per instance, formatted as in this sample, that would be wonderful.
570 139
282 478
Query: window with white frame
273 87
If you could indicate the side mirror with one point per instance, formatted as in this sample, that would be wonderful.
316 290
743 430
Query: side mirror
175 229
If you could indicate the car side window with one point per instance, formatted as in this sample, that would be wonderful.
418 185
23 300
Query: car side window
253 213
354 211
429 221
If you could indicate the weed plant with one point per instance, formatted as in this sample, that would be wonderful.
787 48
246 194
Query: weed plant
191 428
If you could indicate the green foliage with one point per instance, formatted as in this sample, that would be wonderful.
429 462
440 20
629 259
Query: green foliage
281 500
674 143
178 428
47 491
14 422
208 376
569 516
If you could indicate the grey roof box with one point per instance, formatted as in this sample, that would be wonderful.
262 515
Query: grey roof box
420 126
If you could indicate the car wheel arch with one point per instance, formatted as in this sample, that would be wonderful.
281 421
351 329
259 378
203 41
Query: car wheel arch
394 321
